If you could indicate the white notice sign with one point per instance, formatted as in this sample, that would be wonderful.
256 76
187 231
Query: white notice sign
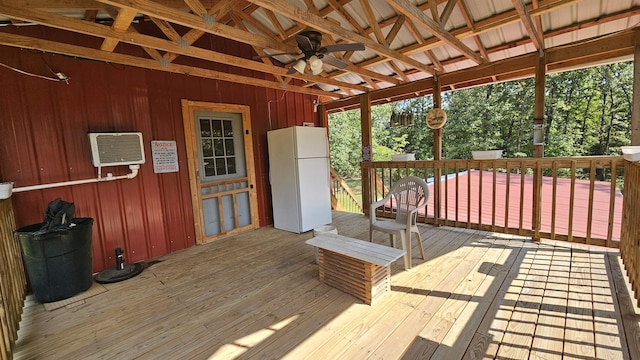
165 156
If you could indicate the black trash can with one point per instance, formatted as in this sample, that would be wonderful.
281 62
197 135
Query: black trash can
58 261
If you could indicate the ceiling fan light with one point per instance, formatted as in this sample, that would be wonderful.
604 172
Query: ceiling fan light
300 66
315 64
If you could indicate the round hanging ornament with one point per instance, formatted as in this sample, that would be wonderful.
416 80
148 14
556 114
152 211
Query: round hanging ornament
436 118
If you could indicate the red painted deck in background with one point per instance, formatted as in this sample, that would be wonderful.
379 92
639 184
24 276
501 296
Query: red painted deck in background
480 211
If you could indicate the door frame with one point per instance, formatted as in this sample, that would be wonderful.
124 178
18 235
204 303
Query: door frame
188 119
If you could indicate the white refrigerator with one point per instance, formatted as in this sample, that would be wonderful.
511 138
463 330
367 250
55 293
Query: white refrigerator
300 178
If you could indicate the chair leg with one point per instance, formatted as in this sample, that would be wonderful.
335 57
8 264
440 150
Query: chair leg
406 246
370 234
392 240
420 246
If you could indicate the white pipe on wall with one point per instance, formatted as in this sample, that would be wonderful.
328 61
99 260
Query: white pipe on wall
134 172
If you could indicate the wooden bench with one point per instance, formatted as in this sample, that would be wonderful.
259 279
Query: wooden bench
357 267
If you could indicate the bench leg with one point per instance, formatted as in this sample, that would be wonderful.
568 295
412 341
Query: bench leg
406 246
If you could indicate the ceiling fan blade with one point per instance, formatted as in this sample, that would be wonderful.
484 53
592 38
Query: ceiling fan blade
304 43
291 71
343 47
334 62
276 54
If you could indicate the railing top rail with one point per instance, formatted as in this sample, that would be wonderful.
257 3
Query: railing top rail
579 161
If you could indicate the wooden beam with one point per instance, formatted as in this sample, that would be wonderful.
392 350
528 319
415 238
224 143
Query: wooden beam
446 13
219 10
538 108
196 6
150 8
635 105
437 133
433 6
406 8
391 35
366 129
107 56
295 13
345 15
120 24
66 23
521 8
558 58
90 15
373 22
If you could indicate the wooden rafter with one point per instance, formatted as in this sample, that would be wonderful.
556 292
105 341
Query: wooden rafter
340 10
259 23
196 6
150 8
298 14
391 35
83 52
446 13
90 15
121 24
470 24
135 38
276 24
433 6
373 22
527 21
419 18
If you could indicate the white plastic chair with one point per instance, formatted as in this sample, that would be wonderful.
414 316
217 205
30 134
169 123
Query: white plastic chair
407 196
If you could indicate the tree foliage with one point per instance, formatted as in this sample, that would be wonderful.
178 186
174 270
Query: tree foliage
587 112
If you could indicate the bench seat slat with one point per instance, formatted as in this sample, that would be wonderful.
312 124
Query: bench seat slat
359 249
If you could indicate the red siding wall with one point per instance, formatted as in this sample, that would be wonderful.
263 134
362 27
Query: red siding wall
43 139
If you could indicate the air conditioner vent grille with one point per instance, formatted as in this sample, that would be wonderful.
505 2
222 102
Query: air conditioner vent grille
116 149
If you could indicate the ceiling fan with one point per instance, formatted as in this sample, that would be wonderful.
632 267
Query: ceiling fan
309 43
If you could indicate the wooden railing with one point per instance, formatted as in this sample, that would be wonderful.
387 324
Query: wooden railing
570 199
630 240
342 198
12 281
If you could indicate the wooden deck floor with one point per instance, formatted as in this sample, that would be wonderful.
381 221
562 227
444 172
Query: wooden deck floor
257 295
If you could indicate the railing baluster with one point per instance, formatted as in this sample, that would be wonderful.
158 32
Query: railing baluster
572 198
612 202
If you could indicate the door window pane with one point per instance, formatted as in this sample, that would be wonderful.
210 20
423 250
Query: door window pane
217 128
207 148
228 146
228 130
209 170
205 128
218 146
231 165
221 169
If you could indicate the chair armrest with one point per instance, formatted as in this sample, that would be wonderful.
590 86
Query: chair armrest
375 205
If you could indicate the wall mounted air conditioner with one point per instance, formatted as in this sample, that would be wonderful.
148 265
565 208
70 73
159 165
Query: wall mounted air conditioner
109 149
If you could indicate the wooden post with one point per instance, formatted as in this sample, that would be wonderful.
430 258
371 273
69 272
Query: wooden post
367 150
635 106
538 143
437 153
323 116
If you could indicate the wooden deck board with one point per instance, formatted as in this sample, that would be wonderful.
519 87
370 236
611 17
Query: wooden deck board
257 295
